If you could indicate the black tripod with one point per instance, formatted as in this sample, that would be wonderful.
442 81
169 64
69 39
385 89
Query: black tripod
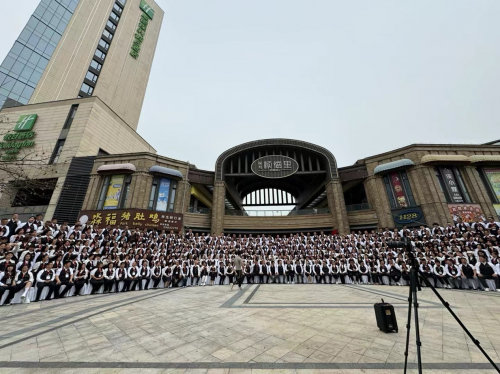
414 287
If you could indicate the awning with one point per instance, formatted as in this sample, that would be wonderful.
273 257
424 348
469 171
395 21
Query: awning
444 158
405 162
484 158
198 193
120 167
166 171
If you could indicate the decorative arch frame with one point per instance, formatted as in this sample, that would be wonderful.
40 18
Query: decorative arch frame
332 172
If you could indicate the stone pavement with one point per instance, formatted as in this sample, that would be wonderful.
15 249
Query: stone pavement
260 329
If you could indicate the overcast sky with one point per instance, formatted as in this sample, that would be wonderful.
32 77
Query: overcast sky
357 77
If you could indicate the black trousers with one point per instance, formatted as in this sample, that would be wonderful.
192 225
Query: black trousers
157 280
239 277
261 278
249 278
57 293
353 275
290 276
41 285
192 280
96 284
281 278
375 278
133 283
126 285
342 278
485 277
318 278
230 278
222 279
146 284
108 284
11 292
79 283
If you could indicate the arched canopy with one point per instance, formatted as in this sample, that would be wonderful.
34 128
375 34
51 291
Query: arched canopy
313 166
287 147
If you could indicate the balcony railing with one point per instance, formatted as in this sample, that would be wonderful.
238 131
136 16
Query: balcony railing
199 210
355 207
276 213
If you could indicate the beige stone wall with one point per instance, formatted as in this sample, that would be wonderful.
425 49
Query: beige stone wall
423 181
278 223
197 220
123 80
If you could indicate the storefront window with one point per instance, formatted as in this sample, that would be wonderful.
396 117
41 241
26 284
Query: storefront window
162 197
491 179
114 192
452 184
398 190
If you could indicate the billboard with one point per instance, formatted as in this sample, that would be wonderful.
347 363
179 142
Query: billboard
114 192
163 192
468 212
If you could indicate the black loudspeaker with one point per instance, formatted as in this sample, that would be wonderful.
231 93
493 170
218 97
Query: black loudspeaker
386 317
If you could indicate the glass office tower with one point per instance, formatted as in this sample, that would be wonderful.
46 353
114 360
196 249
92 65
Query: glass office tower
24 65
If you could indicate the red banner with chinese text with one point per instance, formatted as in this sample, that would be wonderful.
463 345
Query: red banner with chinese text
399 191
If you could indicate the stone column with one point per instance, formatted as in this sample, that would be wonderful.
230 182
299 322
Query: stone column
141 187
218 208
477 190
182 197
378 200
336 204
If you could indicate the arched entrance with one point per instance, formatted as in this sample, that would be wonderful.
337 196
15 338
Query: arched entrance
274 172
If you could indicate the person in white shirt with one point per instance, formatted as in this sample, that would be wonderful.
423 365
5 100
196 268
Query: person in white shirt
486 270
144 274
121 275
80 278
133 276
97 278
109 277
44 279
24 280
8 282
453 274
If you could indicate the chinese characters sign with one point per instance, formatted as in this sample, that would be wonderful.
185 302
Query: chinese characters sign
133 218
450 183
275 166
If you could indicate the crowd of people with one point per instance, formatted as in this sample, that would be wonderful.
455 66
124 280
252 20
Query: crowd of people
65 259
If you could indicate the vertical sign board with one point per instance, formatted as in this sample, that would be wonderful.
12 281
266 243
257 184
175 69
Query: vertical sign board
163 192
451 185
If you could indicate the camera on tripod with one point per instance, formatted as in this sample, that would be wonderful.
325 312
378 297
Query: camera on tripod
405 244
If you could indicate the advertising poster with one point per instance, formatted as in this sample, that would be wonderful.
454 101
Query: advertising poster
398 190
163 192
497 209
468 212
114 191
493 176
133 219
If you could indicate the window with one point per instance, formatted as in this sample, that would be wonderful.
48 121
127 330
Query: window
111 25
104 44
451 183
122 2
57 151
96 65
91 76
162 196
398 190
87 89
100 54
107 34
71 116
117 8
114 192
491 179
114 17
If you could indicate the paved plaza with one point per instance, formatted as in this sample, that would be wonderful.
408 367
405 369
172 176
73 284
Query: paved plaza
260 329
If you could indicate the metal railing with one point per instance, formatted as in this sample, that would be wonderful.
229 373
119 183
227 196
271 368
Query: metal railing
199 210
276 213
355 207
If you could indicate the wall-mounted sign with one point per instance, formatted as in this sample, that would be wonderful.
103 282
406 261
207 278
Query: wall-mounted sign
497 209
13 142
408 217
468 212
275 166
450 183
133 218
140 34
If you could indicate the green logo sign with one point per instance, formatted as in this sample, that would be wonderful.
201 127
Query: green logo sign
147 9
26 122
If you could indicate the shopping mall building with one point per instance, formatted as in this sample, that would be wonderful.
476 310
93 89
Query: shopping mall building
72 89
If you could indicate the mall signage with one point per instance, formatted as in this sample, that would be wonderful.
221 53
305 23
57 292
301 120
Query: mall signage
275 166
20 138
409 217
140 34
133 218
